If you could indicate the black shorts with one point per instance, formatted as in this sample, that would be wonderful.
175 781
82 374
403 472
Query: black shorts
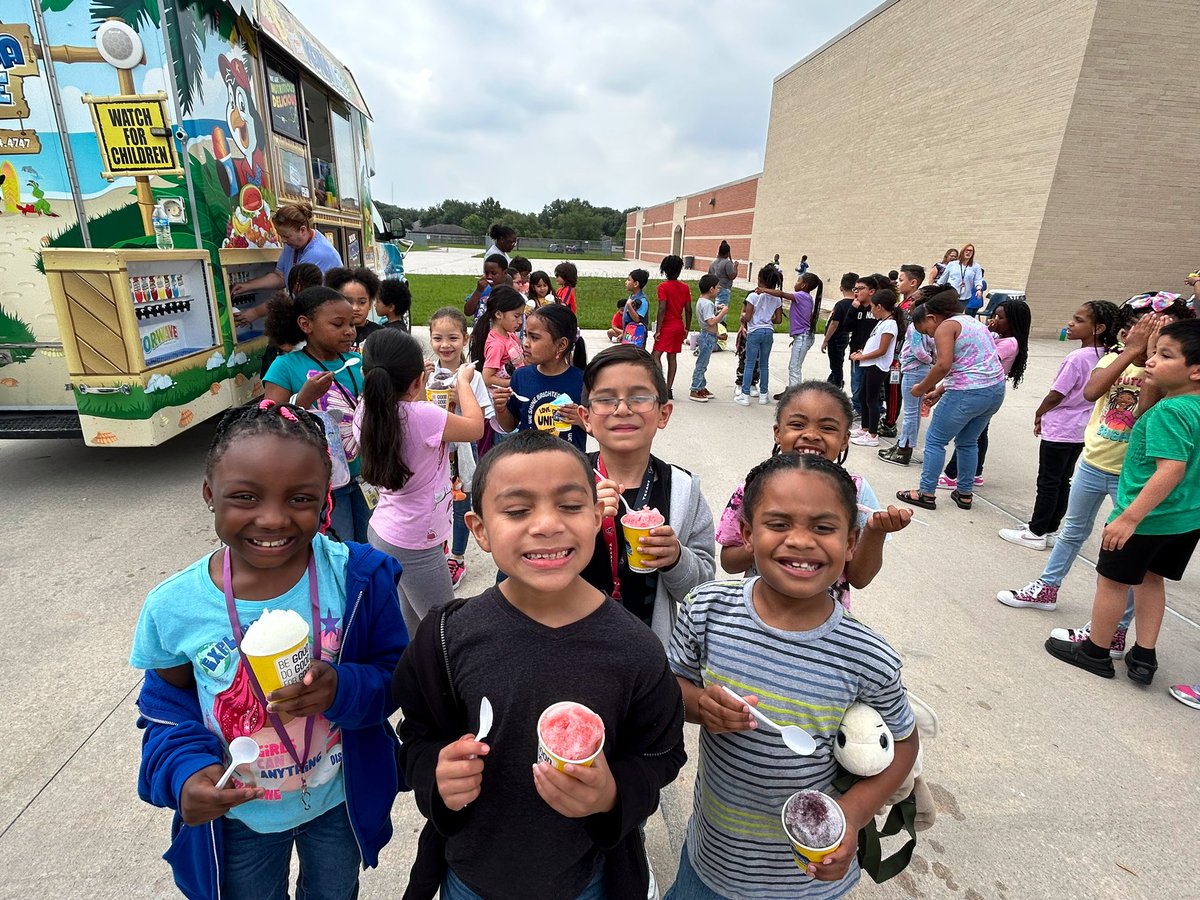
1166 555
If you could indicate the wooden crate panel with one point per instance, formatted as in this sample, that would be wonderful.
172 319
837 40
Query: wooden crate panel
96 323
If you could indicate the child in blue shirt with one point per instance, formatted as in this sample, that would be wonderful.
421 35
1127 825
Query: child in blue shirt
636 310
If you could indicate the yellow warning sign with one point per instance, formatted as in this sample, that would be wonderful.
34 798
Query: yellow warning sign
134 136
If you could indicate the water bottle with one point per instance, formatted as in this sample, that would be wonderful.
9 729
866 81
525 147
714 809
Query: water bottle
1062 335
162 229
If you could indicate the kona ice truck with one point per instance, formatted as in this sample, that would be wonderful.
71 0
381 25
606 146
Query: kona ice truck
143 147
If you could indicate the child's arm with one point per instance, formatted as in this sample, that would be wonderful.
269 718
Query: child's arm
467 424
736 560
1168 473
1049 402
687 315
471 304
868 554
1134 353
943 340
662 312
713 709
505 414
885 343
632 310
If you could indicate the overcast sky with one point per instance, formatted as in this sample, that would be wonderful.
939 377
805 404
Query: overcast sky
620 103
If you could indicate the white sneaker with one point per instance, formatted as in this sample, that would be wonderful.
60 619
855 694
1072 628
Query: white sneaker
1023 537
865 439
763 400
741 399
1051 538
753 392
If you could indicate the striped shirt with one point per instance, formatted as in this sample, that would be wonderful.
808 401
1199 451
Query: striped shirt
735 838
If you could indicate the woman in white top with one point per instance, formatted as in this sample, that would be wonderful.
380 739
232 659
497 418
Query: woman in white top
504 240
965 276
875 359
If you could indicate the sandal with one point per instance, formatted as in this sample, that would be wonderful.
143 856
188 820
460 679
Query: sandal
916 498
962 501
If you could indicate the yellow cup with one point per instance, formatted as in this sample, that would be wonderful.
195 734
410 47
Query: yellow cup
560 425
545 754
637 559
281 669
438 396
805 854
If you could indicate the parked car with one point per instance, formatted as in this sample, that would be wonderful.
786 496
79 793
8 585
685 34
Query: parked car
573 248
555 248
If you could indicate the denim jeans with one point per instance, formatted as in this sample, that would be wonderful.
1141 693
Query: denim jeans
704 348
758 353
910 426
801 344
688 885
856 385
350 513
1088 489
454 889
461 534
256 864
960 416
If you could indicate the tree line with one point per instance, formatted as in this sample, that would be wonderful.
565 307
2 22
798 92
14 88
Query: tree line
573 220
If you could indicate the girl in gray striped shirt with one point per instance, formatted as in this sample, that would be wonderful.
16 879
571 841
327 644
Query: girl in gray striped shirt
781 642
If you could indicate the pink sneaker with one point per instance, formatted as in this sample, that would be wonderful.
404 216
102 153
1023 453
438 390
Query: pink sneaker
458 568
946 483
1187 694
1035 595
1116 649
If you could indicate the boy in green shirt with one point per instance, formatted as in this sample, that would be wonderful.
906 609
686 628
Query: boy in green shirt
1152 532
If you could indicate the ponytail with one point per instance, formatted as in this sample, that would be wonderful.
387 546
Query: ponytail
284 312
392 361
812 283
562 324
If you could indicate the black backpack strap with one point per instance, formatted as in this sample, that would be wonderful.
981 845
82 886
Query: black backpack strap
902 817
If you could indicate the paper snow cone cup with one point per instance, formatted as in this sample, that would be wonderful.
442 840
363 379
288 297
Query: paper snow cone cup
812 817
637 560
277 648
552 720
438 396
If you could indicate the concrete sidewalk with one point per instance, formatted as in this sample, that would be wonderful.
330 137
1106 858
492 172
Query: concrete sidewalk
1050 782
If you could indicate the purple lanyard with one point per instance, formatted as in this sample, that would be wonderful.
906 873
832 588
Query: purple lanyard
276 722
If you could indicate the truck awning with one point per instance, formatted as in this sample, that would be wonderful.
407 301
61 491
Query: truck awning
287 31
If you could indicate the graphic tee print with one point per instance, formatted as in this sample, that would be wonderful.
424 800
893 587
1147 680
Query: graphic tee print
1110 427
184 620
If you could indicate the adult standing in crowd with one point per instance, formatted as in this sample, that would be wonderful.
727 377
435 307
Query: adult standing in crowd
301 243
724 269
504 241
1194 302
936 270
965 276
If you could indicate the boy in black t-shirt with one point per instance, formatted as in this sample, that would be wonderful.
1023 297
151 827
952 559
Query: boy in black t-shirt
544 635
837 332
860 323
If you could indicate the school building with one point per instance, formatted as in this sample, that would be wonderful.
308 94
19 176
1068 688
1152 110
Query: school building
1058 138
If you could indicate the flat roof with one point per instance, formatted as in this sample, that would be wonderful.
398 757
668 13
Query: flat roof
701 191
887 4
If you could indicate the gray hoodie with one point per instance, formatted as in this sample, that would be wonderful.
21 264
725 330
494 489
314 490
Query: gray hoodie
692 520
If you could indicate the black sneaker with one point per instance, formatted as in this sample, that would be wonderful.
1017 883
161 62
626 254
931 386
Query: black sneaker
1073 653
1141 672
887 431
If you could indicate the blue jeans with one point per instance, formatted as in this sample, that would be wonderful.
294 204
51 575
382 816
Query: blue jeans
801 344
256 864
1089 487
460 534
350 513
910 427
704 349
688 885
960 416
758 352
454 889
856 380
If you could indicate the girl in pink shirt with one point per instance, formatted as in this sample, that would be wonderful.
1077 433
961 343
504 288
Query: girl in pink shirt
403 439
495 345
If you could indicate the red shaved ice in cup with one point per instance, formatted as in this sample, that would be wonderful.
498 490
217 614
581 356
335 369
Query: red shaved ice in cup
815 826
569 733
638 524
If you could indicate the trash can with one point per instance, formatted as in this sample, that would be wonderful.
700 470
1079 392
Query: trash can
689 262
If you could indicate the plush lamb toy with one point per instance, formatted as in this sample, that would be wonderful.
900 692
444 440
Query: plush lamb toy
865 747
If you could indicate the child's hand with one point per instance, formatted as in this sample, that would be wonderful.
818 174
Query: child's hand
577 791
1037 426
200 800
1155 330
483 283
720 713
501 394
459 772
856 355
1117 532
1138 339
310 696
608 492
661 547
890 520
314 389
465 373
569 414
835 866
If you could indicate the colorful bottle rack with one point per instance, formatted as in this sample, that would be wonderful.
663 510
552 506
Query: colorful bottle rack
156 288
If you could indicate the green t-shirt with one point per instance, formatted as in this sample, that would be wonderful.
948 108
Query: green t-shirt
1168 430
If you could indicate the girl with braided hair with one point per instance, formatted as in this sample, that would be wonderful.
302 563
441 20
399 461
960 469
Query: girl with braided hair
326 775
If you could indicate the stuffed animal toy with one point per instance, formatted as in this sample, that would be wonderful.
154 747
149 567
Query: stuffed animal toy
865 747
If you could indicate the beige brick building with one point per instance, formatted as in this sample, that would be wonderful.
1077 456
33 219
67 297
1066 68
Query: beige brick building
1060 138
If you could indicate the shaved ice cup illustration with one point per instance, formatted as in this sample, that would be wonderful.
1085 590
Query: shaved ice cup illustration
277 646
560 424
569 733
815 826
639 524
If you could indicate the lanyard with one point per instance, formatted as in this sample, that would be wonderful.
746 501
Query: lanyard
276 722
350 398
609 526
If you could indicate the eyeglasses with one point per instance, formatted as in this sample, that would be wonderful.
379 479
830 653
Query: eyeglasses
606 406
1159 301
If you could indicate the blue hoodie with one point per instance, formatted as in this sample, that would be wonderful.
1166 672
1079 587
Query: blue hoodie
176 744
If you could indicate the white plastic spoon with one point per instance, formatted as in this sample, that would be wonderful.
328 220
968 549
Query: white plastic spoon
797 739
347 364
485 719
620 497
518 397
242 751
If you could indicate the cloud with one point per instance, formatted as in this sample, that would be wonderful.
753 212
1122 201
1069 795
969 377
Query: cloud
620 103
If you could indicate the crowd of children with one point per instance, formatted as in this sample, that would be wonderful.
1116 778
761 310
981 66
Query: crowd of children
352 439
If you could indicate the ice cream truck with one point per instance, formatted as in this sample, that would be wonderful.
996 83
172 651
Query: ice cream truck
143 147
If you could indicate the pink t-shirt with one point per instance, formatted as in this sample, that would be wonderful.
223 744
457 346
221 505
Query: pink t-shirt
419 515
501 349
1067 421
